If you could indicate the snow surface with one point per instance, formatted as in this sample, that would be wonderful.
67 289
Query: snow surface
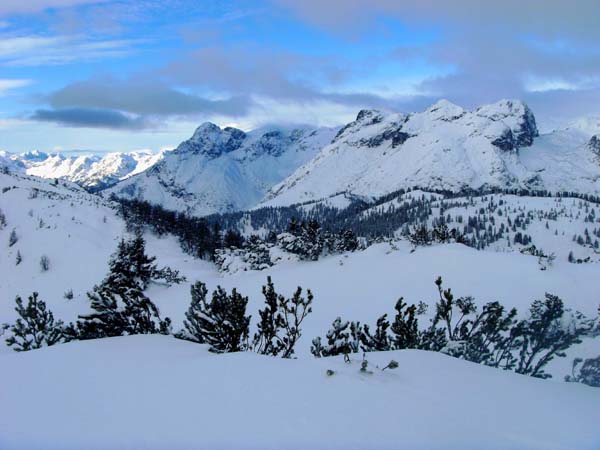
155 392
444 147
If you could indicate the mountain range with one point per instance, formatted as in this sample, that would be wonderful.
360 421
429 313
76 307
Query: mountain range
221 170
91 171
444 147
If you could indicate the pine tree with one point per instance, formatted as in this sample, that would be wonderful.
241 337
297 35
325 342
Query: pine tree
543 337
420 235
35 326
294 310
342 339
405 327
18 258
119 303
378 341
441 233
268 338
222 323
193 329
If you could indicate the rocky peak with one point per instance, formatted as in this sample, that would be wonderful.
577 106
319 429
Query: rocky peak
34 156
445 110
369 116
272 143
209 139
517 116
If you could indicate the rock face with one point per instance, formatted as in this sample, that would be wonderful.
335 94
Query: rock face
594 145
224 169
444 147
522 128
212 141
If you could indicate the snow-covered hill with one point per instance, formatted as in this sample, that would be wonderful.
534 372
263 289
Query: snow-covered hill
220 170
156 392
90 171
446 148
78 231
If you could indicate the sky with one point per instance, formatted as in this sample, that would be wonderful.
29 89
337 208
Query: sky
123 75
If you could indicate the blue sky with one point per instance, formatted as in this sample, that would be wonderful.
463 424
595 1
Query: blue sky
119 75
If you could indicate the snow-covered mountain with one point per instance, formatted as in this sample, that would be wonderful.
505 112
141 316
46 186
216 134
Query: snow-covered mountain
448 148
221 170
90 171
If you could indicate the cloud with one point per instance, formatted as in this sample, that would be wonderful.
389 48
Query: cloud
142 95
90 118
282 76
541 17
7 84
543 51
8 7
22 51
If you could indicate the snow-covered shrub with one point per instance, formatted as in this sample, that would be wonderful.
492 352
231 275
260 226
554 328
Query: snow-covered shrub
490 336
280 327
586 372
44 263
255 254
343 338
13 238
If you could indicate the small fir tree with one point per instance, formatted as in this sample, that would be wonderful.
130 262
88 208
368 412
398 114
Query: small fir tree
35 327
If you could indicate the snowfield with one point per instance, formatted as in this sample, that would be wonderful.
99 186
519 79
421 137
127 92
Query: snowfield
155 392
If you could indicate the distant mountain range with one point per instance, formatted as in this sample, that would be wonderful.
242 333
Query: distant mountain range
90 171
444 147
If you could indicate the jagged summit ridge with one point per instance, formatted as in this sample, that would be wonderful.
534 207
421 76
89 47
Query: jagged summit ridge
444 147
224 169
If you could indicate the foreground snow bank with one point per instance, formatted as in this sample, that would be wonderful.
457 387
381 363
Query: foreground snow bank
155 392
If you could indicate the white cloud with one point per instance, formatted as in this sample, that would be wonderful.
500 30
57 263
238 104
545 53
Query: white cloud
56 50
8 7
7 84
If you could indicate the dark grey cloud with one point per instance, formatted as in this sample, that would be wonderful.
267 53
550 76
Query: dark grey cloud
143 96
132 103
90 118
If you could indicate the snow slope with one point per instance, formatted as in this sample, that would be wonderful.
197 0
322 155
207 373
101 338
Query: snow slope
155 392
90 171
221 170
356 286
77 231
445 147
